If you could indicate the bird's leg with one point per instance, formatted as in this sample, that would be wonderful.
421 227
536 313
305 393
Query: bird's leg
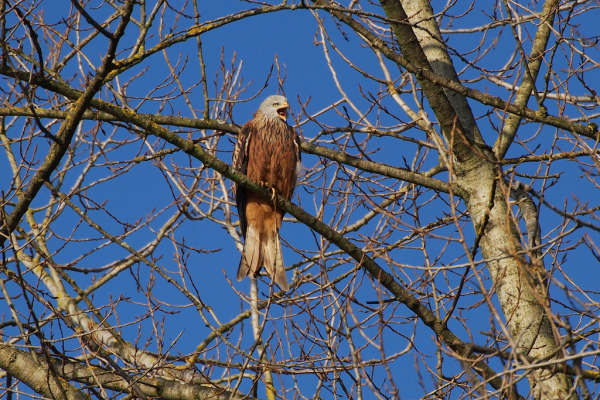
266 185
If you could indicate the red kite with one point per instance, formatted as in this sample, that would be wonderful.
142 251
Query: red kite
268 151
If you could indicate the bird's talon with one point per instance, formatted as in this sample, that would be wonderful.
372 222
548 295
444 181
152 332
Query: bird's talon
266 185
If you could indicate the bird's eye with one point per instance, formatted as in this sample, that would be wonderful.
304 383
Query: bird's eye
275 104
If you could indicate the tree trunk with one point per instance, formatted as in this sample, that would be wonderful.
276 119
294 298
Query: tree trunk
523 300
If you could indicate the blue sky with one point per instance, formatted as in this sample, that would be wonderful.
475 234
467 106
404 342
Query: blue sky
258 43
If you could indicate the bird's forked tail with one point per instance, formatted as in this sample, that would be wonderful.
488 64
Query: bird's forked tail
263 248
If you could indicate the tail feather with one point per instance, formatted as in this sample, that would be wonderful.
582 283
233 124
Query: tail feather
252 258
263 248
273 260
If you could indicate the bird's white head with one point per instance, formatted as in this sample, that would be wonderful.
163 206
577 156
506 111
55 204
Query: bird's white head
274 106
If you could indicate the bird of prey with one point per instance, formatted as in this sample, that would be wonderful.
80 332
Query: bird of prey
268 151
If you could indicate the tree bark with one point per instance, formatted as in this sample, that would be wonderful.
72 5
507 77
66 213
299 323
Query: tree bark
35 375
532 69
522 298
427 31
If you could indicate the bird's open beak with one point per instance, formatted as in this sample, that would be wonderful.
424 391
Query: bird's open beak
282 111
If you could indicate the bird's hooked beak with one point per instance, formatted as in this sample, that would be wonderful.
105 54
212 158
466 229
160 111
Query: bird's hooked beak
282 111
